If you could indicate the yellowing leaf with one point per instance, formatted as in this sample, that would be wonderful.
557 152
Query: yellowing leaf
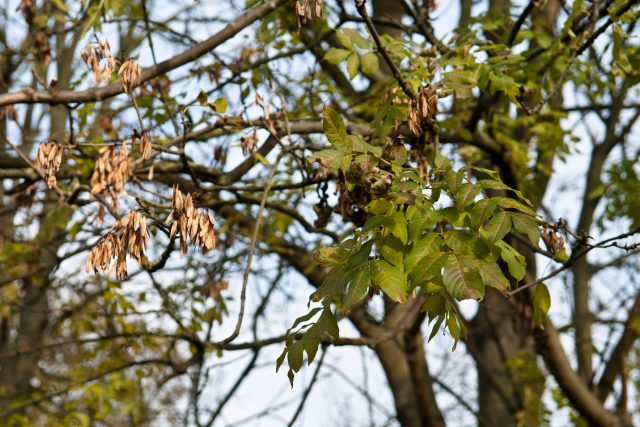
461 278
334 128
498 226
369 63
335 56
353 63
541 303
390 279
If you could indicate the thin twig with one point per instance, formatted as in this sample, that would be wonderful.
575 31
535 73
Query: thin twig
406 88
610 242
252 247
307 392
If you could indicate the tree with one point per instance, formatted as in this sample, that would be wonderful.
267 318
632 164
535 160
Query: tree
384 164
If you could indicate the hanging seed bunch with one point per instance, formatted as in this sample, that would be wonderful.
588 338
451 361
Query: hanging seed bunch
306 10
129 236
194 224
553 241
249 142
145 145
95 54
112 171
48 159
424 107
130 74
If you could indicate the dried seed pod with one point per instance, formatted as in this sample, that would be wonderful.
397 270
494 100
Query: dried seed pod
195 225
553 242
112 171
145 145
412 118
95 54
305 11
130 74
49 158
129 236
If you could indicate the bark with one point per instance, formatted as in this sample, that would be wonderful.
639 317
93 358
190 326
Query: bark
422 381
571 384
582 317
388 10
399 375
495 338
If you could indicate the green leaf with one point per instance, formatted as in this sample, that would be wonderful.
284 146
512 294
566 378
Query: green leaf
514 260
304 318
436 326
428 267
435 304
353 63
219 105
335 56
498 226
358 144
461 277
202 98
334 128
356 259
348 37
330 159
481 211
509 203
358 285
390 279
526 225
369 63
291 376
465 242
466 195
294 355
399 226
311 341
492 276
454 329
329 323
492 184
421 219
420 248
379 207
280 359
392 250
541 303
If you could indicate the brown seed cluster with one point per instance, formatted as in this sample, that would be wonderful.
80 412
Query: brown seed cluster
112 171
130 74
48 159
553 241
249 142
95 54
128 236
145 145
195 224
305 11
424 107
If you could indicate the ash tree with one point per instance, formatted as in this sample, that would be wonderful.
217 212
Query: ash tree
192 191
